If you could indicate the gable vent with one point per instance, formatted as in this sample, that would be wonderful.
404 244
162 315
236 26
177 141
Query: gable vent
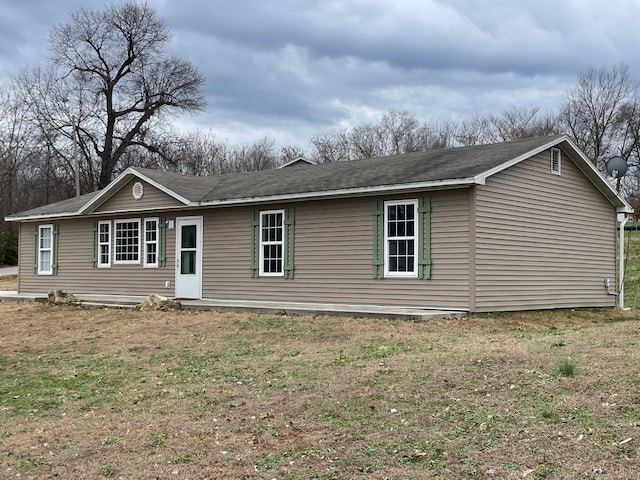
555 161
137 190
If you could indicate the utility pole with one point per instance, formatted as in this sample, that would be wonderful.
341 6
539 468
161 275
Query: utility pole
76 163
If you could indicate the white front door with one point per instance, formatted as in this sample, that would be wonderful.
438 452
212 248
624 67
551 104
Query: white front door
189 257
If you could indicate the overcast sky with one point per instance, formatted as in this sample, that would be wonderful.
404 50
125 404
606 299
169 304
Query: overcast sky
290 69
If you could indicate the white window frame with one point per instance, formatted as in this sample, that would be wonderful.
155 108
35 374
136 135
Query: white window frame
554 170
106 244
263 243
115 242
414 238
49 249
147 243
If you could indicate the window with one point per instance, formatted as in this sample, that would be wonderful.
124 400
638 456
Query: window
127 241
104 244
45 250
272 243
555 161
401 242
151 242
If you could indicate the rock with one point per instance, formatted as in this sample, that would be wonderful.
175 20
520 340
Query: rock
61 296
158 302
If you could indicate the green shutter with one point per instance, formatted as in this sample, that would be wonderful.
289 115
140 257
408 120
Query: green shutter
162 242
54 250
36 242
255 243
94 256
289 222
424 248
378 239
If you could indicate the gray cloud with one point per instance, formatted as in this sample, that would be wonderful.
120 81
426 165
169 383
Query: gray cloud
288 69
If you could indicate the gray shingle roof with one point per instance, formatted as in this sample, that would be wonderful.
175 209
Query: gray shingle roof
417 167
69 206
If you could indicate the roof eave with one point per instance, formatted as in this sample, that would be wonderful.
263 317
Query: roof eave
41 216
345 192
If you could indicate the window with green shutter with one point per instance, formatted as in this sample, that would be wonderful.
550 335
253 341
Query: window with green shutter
273 243
402 239
45 250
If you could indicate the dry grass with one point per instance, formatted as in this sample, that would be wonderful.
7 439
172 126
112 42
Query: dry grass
9 282
93 393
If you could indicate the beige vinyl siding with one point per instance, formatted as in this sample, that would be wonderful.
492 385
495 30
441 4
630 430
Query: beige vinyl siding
333 256
542 240
123 200
75 267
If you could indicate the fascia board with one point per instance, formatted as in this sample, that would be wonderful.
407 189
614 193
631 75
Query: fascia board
40 217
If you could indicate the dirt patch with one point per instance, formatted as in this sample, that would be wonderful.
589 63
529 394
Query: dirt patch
97 393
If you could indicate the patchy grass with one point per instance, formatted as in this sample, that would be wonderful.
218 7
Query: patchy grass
96 393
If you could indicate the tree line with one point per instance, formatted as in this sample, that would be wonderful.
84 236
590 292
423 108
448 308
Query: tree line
105 100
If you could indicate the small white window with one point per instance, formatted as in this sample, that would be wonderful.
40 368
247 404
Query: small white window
555 161
151 242
272 243
401 238
45 250
104 244
127 241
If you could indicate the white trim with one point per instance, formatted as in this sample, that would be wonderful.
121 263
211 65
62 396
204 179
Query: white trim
99 264
345 192
117 184
262 243
48 226
115 238
414 238
156 242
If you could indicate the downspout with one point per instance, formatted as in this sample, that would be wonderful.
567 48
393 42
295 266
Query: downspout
623 218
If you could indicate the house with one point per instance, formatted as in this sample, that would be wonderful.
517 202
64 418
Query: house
528 224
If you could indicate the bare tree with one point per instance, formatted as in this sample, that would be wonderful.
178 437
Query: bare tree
110 79
256 156
395 133
289 153
331 147
591 113
474 131
522 122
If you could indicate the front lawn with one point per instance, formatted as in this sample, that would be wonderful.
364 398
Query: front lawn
95 393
